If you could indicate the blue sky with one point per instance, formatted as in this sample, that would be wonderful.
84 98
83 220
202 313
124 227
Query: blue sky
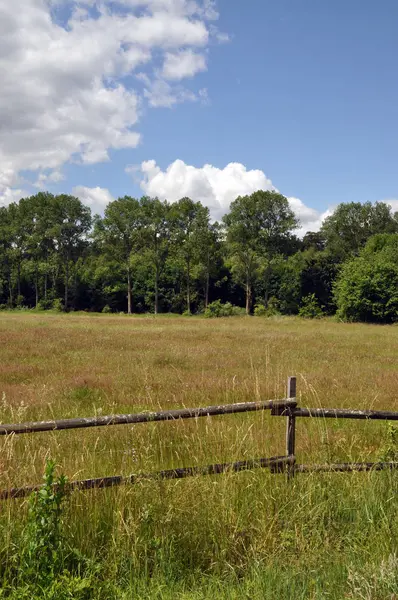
304 91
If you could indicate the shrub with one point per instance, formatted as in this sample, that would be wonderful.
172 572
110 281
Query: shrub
272 310
41 559
260 310
57 305
367 289
217 309
187 313
45 304
107 309
310 308
19 301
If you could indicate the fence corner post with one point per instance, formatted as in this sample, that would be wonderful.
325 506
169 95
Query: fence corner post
291 426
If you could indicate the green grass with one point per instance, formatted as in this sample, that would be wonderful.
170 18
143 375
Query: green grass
249 535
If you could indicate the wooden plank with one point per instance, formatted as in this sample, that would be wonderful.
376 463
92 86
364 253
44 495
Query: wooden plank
347 467
291 424
144 417
275 463
342 413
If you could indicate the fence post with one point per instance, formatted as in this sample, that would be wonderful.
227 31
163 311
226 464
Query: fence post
291 426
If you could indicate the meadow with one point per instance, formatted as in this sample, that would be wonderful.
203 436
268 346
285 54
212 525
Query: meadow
249 535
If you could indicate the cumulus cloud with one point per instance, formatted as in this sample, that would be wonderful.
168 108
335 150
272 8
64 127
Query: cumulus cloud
185 63
217 188
64 68
96 198
393 202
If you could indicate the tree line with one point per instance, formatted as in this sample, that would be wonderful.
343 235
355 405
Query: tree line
148 255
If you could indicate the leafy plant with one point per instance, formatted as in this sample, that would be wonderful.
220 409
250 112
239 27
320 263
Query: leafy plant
389 450
57 305
310 308
271 310
218 309
45 304
107 309
41 559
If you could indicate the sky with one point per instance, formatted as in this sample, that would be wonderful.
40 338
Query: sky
200 98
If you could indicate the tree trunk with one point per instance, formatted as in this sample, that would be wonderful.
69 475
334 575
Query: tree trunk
19 280
157 290
266 284
10 290
45 284
188 286
37 289
66 285
248 296
207 281
129 294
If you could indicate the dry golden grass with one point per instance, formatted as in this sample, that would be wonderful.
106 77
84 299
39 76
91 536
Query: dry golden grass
255 533
59 366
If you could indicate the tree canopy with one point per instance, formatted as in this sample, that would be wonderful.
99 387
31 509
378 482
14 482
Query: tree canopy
146 254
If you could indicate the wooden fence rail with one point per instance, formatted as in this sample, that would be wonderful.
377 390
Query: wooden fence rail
277 464
144 417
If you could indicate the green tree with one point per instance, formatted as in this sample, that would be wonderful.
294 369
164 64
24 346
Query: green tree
5 254
156 238
367 288
72 222
190 226
39 224
347 230
120 237
258 227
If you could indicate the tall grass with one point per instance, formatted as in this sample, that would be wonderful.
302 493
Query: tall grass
247 535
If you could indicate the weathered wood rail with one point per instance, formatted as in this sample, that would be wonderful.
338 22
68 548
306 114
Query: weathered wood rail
286 407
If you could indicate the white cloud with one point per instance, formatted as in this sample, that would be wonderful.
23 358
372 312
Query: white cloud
393 202
64 93
96 198
310 218
45 178
185 63
160 93
217 188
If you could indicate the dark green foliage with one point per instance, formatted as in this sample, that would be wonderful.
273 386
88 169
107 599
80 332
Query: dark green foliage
310 308
347 230
259 227
147 255
217 309
271 310
367 289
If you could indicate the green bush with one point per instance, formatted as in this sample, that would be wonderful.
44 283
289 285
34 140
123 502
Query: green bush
107 309
310 308
57 305
367 289
41 559
45 304
217 309
272 310
260 310
19 301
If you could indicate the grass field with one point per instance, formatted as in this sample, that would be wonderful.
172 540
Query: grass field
250 535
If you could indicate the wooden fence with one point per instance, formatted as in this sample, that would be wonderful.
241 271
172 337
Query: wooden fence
287 407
